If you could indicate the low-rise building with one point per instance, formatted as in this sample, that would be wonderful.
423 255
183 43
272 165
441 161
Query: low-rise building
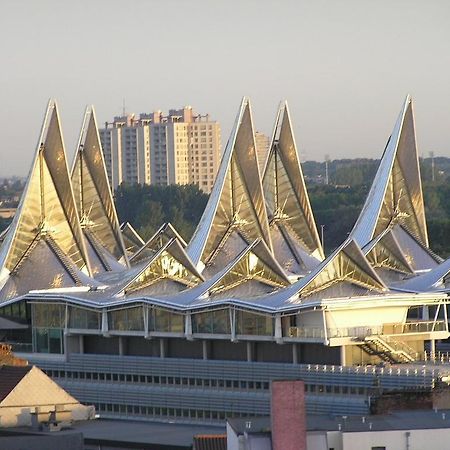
28 397
400 430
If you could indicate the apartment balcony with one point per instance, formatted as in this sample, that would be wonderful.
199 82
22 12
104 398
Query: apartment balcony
420 329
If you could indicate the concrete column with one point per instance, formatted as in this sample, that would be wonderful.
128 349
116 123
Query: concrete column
122 345
162 348
233 324
294 353
205 347
81 343
278 329
343 355
250 351
433 349
146 313
104 322
188 327
65 346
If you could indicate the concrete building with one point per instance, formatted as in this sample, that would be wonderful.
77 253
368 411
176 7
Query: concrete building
28 396
102 434
262 142
195 332
126 149
25 439
180 148
421 429
289 428
204 152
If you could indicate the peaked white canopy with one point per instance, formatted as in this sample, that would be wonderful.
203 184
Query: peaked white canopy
47 210
396 193
292 224
236 207
93 197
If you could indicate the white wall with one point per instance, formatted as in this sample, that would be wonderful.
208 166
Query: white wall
232 439
436 439
310 319
365 316
255 442
316 440
334 440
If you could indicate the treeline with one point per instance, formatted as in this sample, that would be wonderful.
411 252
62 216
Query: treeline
336 206
360 171
148 207
336 209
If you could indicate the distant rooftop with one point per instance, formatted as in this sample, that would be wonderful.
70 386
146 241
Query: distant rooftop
10 376
399 420
164 434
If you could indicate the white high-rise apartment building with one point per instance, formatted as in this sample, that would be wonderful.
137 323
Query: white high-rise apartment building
262 142
180 148
126 148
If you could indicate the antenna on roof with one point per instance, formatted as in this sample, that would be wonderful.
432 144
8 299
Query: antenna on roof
432 166
123 107
327 161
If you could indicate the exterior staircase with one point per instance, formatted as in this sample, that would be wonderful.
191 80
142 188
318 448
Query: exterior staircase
393 352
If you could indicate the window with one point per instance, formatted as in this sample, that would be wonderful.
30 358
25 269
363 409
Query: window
48 340
161 320
126 319
254 324
212 322
48 316
84 319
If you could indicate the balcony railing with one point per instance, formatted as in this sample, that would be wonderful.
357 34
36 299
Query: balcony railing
306 332
387 329
414 327
21 347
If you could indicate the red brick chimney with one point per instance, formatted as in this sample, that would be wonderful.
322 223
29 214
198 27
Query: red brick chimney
288 415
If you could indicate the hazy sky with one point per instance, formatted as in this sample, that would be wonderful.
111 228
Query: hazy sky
345 67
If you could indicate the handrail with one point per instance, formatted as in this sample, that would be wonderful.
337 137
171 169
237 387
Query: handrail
387 329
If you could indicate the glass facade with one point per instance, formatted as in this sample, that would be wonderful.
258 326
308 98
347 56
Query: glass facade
84 319
254 324
20 339
129 319
165 321
212 322
48 321
16 311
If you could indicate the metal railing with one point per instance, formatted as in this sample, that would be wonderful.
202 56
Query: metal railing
421 326
394 349
436 357
306 332
21 347
362 332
